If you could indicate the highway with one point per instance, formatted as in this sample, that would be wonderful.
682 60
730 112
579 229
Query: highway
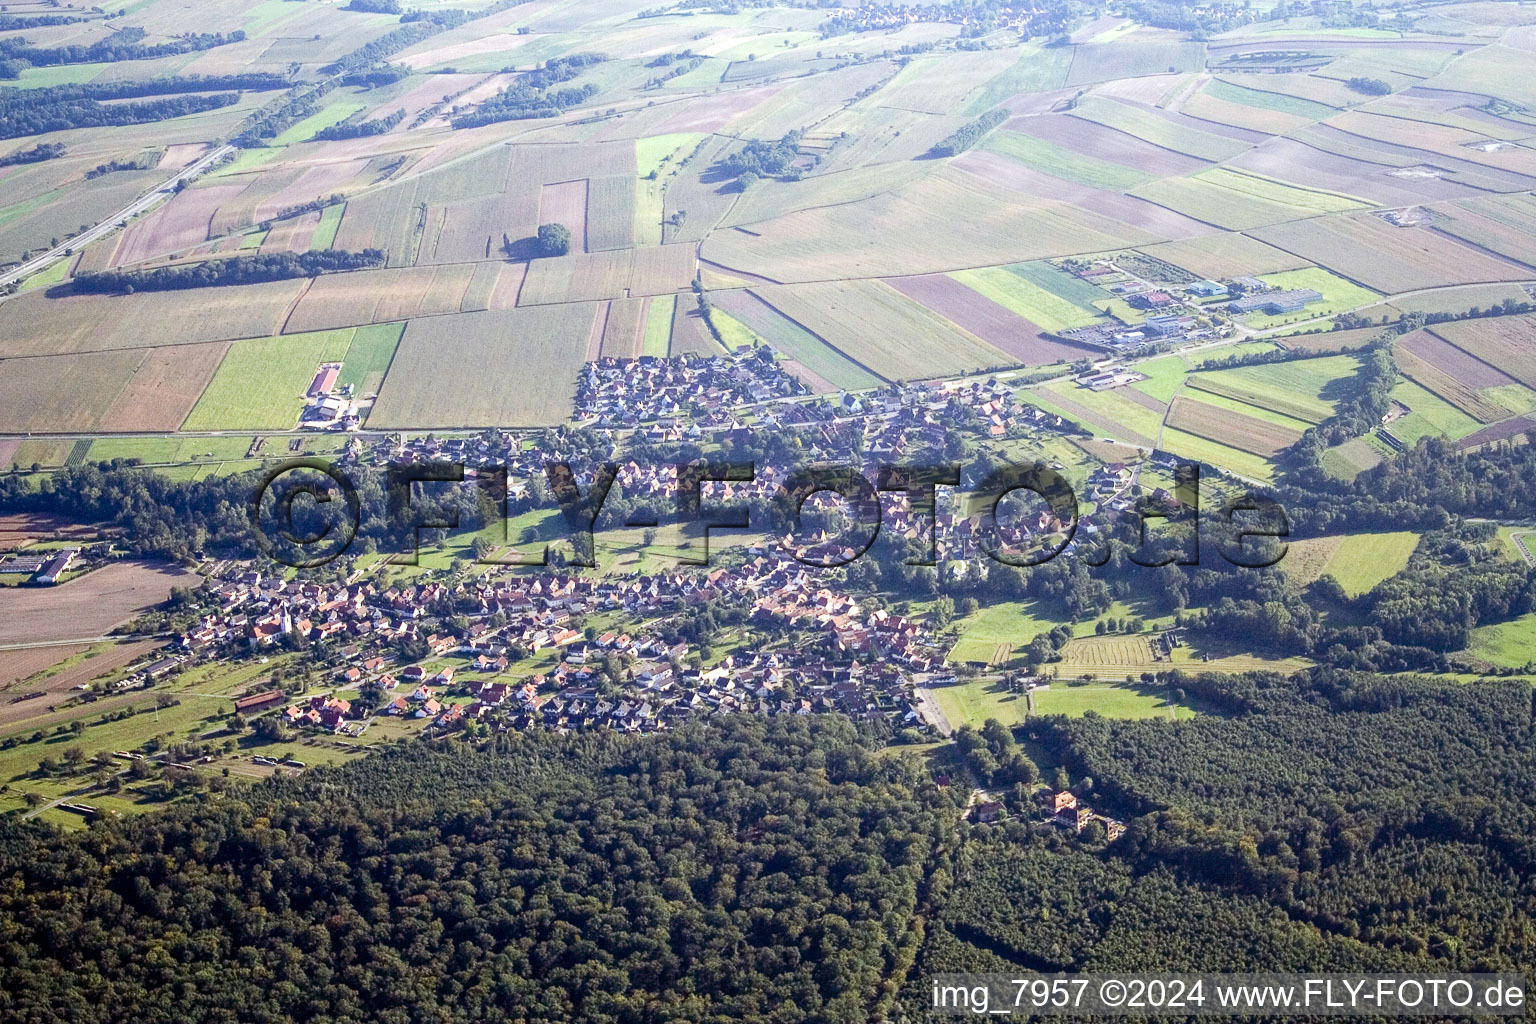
40 263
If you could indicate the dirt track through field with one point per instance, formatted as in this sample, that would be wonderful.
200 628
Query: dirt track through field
1142 399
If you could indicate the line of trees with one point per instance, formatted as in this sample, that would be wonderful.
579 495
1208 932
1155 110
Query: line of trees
374 77
139 163
390 43
253 81
533 95
57 108
1369 86
967 135
90 114
123 45
313 206
37 154
276 266
17 22
360 129
283 113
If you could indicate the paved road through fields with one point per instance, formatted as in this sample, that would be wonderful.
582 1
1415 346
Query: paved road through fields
40 263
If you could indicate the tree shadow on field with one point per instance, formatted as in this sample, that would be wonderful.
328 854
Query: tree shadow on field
1340 388
719 174
521 250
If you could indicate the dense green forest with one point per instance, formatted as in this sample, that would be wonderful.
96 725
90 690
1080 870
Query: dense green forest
1392 810
15 22
754 870
780 869
124 44
60 107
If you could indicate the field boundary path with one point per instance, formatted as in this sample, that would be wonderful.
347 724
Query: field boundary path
34 644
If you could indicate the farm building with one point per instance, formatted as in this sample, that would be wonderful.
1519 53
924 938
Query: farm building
1152 300
1112 378
258 701
325 379
1275 303
57 566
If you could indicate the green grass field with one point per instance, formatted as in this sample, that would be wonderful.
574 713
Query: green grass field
1430 415
1350 459
1303 389
48 278
331 114
651 153
658 326
973 702
1244 464
1239 202
1506 644
793 341
1115 408
732 330
325 232
1061 162
1014 290
368 357
261 382
245 160
168 449
1164 376
1362 560
26 206
1058 282
261 16
1038 70
1000 628
1121 701
1276 191
1144 124
1269 100
60 74
1338 294
1517 398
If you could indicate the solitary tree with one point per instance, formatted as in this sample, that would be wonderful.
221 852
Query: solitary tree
554 239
